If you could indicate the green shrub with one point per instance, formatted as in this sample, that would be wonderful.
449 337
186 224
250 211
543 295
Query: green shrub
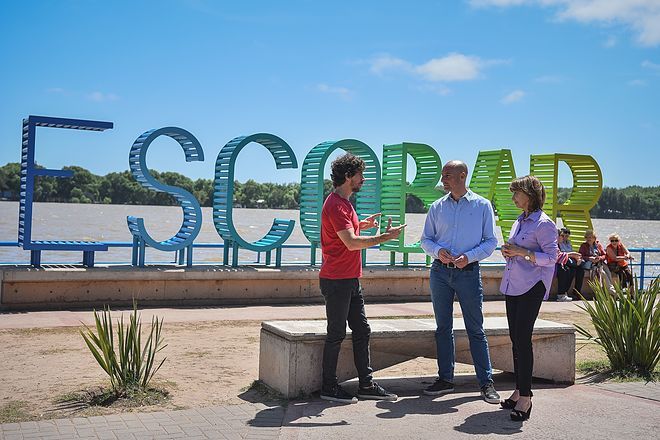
627 326
133 365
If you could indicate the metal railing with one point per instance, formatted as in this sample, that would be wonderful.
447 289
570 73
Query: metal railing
644 268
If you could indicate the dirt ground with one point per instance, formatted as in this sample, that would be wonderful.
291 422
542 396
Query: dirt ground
208 363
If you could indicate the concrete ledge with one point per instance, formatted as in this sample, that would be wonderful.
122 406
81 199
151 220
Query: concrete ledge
63 286
52 287
291 352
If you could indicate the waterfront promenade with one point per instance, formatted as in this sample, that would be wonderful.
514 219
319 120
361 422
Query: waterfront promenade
582 411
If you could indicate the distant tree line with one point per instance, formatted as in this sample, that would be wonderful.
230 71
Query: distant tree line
633 202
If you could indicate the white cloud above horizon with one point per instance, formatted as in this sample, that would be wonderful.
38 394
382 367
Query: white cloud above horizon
610 42
342 92
102 97
637 83
651 65
453 67
642 16
512 97
549 79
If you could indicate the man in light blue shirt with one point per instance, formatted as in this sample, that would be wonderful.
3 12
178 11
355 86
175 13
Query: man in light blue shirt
459 231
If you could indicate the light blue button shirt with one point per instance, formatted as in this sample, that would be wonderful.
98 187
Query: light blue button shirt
466 226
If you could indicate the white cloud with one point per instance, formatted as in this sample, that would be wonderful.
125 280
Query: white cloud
102 97
643 16
453 67
386 62
549 79
649 65
610 42
512 97
450 68
342 92
438 89
637 83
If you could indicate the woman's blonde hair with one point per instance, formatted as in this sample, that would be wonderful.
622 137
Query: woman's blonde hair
614 236
533 188
588 233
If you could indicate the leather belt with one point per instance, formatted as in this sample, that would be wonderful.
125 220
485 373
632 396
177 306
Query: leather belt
471 266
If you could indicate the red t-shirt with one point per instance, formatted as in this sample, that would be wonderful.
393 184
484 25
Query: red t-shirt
338 262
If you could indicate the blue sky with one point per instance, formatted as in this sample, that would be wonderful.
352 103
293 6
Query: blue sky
535 76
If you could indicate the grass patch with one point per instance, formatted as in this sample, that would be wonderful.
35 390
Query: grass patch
55 351
107 398
263 391
15 411
197 354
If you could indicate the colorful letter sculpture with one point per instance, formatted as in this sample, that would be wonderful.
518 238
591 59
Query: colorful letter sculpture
311 188
396 188
587 188
29 172
192 212
223 198
492 175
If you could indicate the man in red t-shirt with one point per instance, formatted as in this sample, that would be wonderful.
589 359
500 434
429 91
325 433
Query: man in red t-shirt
341 269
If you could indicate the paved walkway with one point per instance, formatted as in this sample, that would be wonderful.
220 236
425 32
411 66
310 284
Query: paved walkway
583 411
73 318
575 412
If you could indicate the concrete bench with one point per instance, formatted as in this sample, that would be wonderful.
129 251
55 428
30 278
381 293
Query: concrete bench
291 352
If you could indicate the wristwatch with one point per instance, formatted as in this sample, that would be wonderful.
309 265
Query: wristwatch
528 257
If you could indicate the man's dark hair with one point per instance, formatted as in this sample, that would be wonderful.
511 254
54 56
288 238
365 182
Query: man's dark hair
347 165
565 231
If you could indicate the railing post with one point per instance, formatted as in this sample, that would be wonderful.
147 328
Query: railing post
642 263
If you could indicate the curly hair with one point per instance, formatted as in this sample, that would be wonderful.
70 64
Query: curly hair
533 188
346 165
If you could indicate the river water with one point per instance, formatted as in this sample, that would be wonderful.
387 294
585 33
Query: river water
65 221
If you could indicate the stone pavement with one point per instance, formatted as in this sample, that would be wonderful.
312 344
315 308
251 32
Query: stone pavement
246 421
583 411
575 412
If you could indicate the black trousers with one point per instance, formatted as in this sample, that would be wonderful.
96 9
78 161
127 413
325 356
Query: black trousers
344 303
565 275
521 313
624 273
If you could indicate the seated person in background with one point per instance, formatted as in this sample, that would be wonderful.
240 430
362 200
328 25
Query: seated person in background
616 255
594 257
568 266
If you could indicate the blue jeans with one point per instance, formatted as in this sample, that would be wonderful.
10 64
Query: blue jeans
466 284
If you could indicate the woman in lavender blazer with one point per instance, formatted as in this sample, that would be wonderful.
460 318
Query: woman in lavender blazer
530 253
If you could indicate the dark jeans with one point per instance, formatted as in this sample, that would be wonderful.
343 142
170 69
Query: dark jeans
565 275
344 302
521 313
624 273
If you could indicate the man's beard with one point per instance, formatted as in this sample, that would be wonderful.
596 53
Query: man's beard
356 188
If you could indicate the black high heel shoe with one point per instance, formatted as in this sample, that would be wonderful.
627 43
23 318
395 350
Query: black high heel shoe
509 403
521 416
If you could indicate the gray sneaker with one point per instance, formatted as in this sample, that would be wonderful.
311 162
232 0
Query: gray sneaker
439 388
376 392
489 394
